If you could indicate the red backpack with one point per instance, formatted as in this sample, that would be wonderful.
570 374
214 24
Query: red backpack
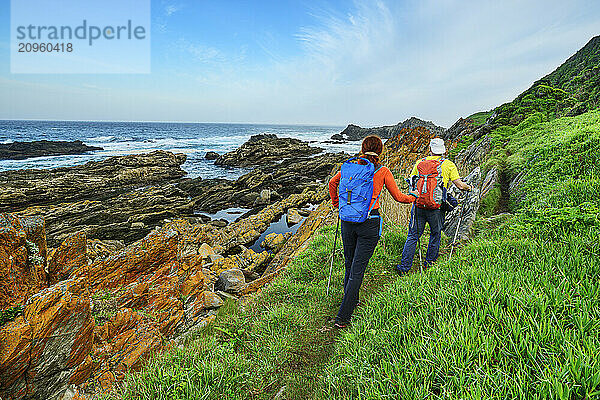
430 184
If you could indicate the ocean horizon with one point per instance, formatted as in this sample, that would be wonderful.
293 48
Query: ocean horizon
195 139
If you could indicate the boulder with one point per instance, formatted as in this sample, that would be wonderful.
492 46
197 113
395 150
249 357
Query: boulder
293 216
231 281
274 241
211 155
42 148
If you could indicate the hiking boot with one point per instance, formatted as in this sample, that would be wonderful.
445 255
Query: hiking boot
400 270
341 325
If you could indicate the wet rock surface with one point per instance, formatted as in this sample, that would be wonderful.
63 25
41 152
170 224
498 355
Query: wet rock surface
95 180
41 148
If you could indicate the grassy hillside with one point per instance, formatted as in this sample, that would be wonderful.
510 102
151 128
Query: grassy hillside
572 89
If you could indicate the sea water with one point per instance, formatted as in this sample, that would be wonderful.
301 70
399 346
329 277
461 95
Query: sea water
122 138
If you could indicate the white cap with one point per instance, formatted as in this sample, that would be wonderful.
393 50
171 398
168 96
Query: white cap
437 146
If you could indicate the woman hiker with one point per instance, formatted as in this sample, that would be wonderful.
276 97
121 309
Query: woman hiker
359 239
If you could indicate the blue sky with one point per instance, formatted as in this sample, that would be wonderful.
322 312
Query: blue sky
368 62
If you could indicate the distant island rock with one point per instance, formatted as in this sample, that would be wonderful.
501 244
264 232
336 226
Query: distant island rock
266 149
355 132
41 148
211 155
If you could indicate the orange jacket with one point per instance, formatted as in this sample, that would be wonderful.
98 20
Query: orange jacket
382 177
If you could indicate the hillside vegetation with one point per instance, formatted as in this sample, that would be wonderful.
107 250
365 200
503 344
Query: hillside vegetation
572 89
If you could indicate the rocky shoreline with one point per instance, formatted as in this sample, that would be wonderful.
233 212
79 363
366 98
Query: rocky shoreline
41 148
115 256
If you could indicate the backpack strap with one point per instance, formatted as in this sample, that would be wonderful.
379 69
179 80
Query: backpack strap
377 198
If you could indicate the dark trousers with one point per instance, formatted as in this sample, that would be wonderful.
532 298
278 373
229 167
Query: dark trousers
359 242
418 218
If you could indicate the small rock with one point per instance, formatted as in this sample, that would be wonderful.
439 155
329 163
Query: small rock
264 197
225 295
205 251
211 155
293 216
304 212
250 275
219 223
212 300
138 225
231 281
214 257
273 241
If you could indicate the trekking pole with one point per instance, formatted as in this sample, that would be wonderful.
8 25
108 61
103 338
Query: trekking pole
462 211
333 253
419 238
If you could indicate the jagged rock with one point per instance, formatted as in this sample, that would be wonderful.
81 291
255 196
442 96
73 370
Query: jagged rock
100 249
68 257
466 211
22 258
293 216
211 155
290 176
354 132
41 148
274 241
93 180
127 217
45 349
266 149
462 127
231 281
489 182
473 155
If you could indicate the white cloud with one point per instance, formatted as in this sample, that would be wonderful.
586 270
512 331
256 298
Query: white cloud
378 64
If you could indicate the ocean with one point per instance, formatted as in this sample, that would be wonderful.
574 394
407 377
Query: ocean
122 138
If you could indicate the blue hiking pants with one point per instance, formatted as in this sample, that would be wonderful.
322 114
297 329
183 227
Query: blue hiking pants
418 218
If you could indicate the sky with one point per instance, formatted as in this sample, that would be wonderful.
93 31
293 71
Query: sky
367 62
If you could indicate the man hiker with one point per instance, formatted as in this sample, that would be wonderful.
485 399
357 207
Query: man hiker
432 176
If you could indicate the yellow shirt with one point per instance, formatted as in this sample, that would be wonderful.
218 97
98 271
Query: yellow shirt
449 170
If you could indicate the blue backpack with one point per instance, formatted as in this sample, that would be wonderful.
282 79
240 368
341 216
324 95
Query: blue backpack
356 190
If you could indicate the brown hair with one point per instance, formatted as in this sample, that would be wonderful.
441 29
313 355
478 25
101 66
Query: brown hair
372 144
